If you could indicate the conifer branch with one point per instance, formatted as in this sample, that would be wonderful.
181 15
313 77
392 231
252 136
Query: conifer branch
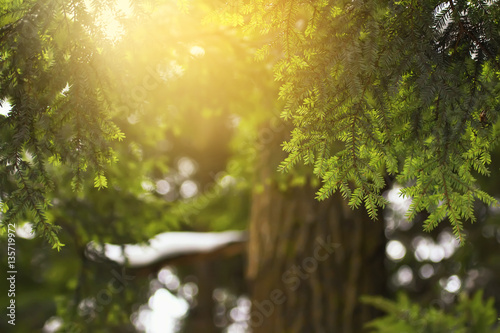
463 28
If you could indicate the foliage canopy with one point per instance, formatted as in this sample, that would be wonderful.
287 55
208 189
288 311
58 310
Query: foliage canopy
375 90
378 90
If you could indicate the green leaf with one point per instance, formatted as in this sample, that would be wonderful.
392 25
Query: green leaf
100 181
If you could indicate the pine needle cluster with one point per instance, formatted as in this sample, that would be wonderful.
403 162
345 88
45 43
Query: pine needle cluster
54 78
407 89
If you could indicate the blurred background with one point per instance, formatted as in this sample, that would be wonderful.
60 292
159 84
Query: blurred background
198 111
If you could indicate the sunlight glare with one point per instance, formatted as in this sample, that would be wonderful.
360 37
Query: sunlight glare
398 201
189 291
188 189
53 324
24 231
108 19
426 271
187 167
197 51
452 285
404 276
162 187
227 180
164 313
5 108
427 249
240 316
448 242
169 279
395 250
147 185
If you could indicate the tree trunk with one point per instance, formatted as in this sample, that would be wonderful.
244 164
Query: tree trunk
309 261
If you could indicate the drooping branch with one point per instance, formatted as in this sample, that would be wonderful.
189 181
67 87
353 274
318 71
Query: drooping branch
474 38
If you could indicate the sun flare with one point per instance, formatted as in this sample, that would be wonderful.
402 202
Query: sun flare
109 19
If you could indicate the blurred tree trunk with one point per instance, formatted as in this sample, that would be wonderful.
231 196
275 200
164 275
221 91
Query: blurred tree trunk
309 261
201 317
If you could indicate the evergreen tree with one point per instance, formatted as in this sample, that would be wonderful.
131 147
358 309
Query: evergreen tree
372 92
404 89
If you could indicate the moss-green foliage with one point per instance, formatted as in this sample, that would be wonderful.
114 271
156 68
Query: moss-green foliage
404 88
165 116
54 75
80 93
374 88
470 315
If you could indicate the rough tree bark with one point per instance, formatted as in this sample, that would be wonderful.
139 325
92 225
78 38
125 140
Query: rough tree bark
309 261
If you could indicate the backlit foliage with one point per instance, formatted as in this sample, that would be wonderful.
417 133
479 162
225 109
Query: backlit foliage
401 89
406 90
55 76
471 314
